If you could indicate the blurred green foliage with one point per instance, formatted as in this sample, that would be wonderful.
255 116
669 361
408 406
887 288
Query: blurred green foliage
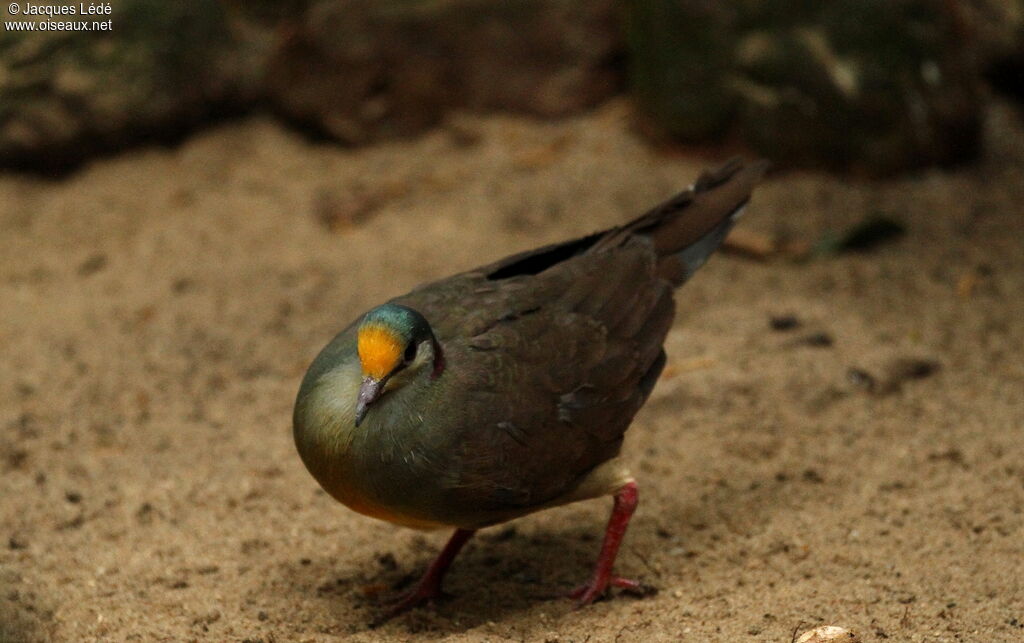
878 84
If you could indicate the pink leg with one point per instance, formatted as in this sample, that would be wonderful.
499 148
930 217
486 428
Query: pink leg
429 587
626 500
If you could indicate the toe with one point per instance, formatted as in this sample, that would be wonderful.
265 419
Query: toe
634 587
589 592
578 592
410 601
625 583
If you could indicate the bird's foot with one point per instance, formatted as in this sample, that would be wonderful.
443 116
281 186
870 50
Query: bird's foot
429 587
421 595
589 592
626 500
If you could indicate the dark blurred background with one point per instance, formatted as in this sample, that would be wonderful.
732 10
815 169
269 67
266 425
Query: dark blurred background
836 436
871 86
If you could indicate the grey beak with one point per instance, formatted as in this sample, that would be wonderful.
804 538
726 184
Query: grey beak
369 391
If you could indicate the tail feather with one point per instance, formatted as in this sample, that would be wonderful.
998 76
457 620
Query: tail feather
685 237
689 260
685 230
689 227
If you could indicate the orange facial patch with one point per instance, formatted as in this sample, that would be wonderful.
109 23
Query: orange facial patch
379 351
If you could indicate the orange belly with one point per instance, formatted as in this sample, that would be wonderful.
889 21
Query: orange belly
358 503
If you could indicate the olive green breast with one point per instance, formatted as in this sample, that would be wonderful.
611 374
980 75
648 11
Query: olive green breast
396 465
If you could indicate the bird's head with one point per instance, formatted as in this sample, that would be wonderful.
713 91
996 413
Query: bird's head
394 343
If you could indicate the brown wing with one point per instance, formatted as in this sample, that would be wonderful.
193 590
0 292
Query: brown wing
552 352
547 383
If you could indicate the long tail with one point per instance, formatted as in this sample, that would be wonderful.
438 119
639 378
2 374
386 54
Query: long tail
685 230
690 226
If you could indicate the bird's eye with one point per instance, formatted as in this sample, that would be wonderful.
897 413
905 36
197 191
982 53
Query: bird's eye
410 353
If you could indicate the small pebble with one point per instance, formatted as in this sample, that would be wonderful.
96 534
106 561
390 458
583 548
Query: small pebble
92 265
818 340
387 561
784 322
810 475
861 379
906 368
828 634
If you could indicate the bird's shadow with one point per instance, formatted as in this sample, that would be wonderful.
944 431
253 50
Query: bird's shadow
502 571
512 568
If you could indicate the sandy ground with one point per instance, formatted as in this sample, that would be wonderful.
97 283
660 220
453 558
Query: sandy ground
159 309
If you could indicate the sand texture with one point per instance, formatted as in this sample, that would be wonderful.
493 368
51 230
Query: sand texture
861 469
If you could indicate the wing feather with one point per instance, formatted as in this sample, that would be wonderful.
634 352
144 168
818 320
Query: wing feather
548 377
